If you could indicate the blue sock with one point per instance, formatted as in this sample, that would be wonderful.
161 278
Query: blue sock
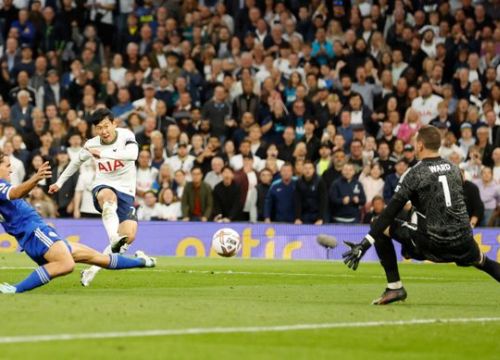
37 278
118 262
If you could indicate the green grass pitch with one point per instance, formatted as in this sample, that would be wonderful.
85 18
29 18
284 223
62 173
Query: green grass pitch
187 293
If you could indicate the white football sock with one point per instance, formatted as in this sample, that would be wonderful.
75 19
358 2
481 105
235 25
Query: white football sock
110 219
395 285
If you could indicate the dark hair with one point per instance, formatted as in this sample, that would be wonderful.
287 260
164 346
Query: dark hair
430 137
227 168
101 114
377 198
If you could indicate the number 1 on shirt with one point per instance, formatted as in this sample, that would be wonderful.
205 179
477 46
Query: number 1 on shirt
446 190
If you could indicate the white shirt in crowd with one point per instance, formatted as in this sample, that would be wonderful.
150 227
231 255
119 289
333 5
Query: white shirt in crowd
107 15
236 162
118 75
186 164
145 213
212 179
427 108
171 212
17 170
145 180
84 185
252 183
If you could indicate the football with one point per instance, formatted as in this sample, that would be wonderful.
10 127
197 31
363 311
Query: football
226 242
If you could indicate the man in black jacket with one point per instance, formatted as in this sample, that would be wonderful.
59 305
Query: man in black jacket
310 197
64 197
473 202
265 180
227 206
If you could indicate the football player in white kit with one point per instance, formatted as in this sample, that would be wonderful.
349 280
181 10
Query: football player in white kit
115 151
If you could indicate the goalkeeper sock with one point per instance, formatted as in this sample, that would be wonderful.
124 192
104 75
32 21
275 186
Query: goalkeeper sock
387 255
110 219
395 285
490 267
117 262
37 278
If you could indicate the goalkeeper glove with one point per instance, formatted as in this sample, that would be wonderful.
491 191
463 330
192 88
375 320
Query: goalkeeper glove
355 253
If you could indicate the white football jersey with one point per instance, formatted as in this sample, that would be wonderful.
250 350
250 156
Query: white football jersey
116 165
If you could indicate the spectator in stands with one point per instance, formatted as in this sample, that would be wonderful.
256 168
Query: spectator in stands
409 155
218 110
392 180
474 165
373 184
197 201
179 183
226 206
496 165
214 176
466 139
449 146
427 103
64 197
42 203
18 171
311 197
387 134
146 175
323 163
489 192
356 156
171 209
258 195
334 172
279 203
475 206
384 159
410 126
285 150
150 209
347 197
247 180
21 112
182 160
377 206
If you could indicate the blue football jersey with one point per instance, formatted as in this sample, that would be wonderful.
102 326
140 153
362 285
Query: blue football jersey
17 217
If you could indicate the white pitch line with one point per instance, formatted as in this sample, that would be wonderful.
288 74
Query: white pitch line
232 330
229 272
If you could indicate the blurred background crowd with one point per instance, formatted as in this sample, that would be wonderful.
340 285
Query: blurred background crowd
288 111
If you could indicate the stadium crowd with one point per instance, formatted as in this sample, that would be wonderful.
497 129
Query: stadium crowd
289 111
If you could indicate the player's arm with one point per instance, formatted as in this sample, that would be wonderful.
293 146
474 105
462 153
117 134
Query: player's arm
403 193
21 190
71 169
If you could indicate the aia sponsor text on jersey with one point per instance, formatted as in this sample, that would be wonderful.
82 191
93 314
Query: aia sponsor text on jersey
110 166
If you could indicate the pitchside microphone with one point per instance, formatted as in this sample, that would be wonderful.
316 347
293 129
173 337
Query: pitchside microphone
328 242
